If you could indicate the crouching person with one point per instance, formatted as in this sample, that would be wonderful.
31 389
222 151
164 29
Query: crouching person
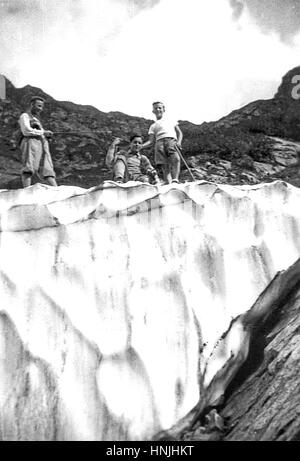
130 165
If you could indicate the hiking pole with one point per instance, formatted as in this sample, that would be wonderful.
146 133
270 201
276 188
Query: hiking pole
76 133
188 168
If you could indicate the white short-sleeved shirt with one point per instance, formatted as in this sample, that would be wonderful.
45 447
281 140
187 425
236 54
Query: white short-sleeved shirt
163 128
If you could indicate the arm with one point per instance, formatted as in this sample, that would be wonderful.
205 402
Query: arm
111 152
179 135
26 128
149 169
148 143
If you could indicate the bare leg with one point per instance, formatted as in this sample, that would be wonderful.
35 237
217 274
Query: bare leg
167 174
119 170
51 181
175 166
26 179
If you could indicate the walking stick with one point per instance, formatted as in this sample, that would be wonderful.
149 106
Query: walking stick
188 168
76 133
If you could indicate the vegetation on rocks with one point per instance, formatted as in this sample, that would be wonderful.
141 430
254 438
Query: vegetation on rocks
256 143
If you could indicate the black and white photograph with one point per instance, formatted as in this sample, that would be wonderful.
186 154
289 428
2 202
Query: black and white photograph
149 223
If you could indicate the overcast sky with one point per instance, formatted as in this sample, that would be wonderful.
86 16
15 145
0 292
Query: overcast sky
203 58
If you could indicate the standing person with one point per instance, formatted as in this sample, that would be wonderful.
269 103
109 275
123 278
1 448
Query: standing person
130 165
167 137
36 157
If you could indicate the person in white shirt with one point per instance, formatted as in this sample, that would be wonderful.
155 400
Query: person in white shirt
36 157
167 137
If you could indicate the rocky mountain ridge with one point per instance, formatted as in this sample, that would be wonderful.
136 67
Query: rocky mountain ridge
257 143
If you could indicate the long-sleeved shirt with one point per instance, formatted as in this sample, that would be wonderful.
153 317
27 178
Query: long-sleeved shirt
30 125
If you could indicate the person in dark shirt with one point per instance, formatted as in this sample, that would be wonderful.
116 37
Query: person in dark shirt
130 165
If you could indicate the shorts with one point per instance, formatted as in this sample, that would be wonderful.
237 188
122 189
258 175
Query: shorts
164 149
36 158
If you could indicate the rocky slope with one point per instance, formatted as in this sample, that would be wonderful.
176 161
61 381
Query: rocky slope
262 402
256 143
79 153
266 405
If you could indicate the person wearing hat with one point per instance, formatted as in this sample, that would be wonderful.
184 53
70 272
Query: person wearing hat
36 157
